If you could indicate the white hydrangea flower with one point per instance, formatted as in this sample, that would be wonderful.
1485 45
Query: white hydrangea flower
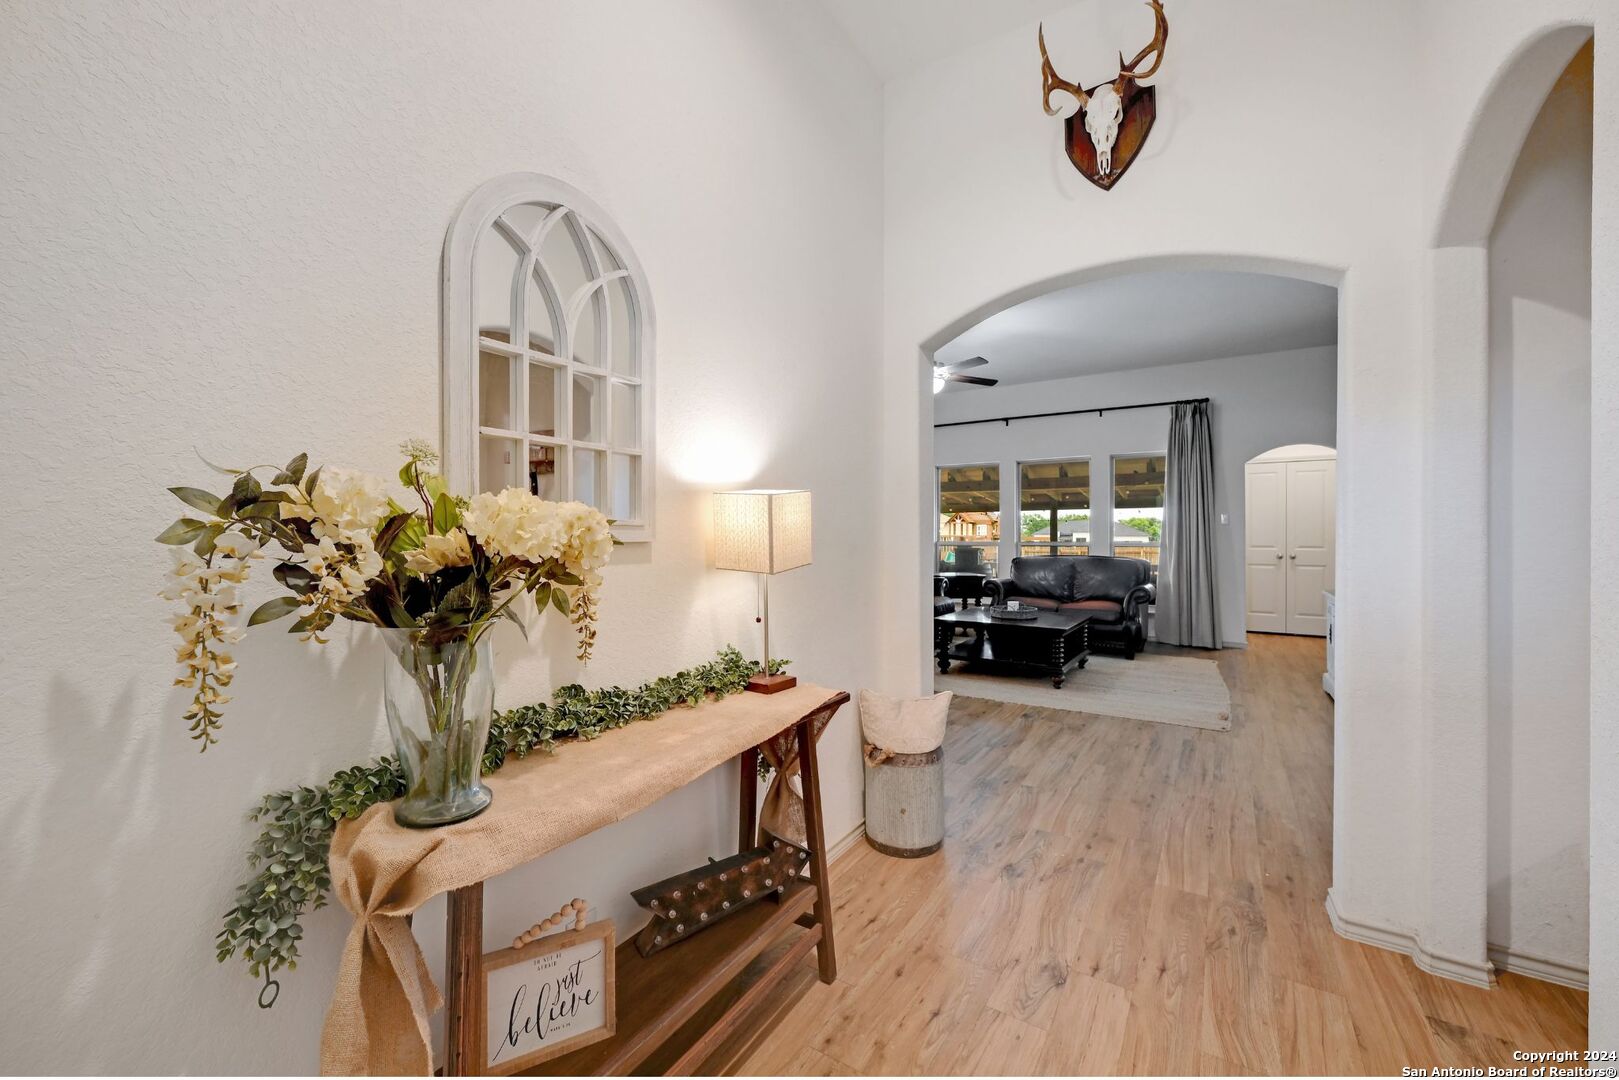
346 501
589 539
517 524
440 551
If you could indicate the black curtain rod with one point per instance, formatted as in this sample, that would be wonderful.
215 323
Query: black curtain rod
1007 420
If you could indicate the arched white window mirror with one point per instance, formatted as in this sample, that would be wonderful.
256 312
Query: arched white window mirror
547 352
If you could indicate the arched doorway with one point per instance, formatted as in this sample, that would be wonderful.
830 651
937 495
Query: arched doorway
1244 434
1290 542
1471 561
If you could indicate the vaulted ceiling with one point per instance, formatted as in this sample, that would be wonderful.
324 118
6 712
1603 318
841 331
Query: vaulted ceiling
897 36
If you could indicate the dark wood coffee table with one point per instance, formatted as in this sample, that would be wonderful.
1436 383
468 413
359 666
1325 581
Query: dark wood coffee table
1052 643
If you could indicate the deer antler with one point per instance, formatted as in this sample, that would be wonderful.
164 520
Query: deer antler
1160 34
1053 82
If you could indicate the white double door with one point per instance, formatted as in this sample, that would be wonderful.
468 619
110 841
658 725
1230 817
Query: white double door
1291 518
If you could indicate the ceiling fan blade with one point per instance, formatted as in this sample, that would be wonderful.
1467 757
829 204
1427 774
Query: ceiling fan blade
962 365
973 379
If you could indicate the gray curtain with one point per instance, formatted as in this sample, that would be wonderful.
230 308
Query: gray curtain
1188 597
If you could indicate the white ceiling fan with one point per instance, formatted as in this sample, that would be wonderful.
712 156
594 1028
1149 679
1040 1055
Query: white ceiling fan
943 373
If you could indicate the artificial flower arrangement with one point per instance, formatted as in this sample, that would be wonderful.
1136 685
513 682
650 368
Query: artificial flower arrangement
434 579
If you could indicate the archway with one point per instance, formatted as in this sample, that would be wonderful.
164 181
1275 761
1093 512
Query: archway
1252 264
1243 443
1457 601
1306 865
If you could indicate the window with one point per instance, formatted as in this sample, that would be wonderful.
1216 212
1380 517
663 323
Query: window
1138 507
547 326
1054 506
969 518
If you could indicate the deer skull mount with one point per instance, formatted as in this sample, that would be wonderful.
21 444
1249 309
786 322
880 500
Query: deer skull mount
1115 116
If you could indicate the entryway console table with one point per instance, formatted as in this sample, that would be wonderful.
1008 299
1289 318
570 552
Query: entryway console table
382 872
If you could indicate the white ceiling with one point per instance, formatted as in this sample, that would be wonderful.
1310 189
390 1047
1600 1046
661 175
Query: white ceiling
897 36
1147 320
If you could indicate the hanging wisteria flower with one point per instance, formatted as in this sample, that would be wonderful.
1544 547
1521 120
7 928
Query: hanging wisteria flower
342 572
208 594
346 549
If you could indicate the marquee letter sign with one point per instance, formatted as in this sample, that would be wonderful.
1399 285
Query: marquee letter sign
1114 117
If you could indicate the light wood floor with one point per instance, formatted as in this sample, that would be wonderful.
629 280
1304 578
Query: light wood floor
1117 896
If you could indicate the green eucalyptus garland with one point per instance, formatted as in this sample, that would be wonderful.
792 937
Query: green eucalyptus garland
289 857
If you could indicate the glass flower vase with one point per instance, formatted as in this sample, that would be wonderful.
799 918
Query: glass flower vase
440 698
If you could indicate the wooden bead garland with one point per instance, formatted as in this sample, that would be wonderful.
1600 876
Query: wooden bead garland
573 909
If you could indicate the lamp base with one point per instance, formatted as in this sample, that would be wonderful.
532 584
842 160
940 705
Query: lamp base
771 684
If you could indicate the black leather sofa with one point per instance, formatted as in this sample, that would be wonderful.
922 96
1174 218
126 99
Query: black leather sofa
1118 590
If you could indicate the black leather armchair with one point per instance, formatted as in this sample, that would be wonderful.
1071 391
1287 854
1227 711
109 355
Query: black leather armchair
1118 590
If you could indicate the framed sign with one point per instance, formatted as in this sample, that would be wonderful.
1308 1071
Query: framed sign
548 997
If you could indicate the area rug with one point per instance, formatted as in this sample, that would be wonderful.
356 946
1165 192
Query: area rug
1162 689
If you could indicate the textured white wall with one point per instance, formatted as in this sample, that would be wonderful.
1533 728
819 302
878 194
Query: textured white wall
1488 66
1491 65
223 231
1604 1007
1539 546
1257 403
1289 167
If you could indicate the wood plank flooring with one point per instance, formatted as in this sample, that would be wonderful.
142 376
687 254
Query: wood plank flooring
1121 897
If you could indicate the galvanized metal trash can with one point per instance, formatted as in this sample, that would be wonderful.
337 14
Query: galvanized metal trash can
903 740
905 802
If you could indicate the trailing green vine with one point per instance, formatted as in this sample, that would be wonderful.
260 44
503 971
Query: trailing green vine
289 856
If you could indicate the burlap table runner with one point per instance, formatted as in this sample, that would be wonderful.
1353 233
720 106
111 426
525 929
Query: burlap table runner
381 871
783 811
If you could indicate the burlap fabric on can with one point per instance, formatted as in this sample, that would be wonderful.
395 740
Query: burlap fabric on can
381 871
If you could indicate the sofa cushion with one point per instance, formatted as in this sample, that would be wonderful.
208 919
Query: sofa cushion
1047 577
1041 602
1104 607
1108 577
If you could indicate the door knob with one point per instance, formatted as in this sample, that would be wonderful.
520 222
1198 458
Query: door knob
1294 555
1278 554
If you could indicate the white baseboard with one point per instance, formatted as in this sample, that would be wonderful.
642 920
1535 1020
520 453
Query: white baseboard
842 847
1539 967
1410 944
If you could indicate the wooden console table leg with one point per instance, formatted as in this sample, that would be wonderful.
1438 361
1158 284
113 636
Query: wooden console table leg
462 963
747 831
810 772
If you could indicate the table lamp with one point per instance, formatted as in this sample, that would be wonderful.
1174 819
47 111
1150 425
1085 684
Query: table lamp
764 533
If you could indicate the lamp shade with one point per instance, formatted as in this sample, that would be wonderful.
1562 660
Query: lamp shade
763 532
